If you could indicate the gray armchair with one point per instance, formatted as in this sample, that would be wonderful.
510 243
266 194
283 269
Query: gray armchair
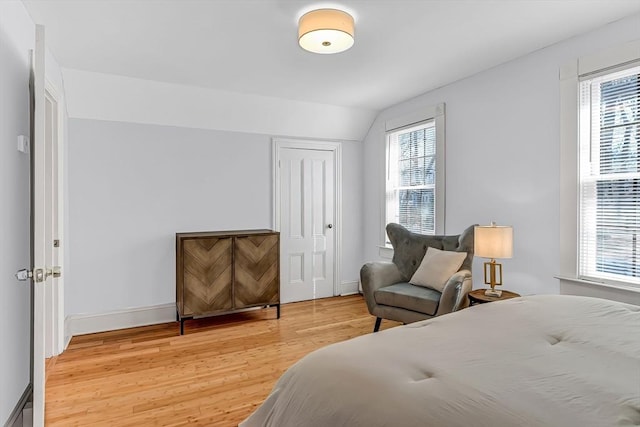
386 287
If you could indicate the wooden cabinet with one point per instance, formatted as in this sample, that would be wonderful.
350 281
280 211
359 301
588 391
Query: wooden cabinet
225 271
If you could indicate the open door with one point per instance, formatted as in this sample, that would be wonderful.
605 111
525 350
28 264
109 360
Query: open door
42 216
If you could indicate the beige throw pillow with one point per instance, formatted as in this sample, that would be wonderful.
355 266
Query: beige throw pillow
437 267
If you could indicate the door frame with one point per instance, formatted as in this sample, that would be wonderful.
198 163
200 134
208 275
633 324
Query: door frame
54 317
316 145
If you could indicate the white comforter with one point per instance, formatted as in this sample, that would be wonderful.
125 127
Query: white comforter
532 361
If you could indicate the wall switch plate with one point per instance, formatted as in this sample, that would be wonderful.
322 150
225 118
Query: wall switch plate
23 144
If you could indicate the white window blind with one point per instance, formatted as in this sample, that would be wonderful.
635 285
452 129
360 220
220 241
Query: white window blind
609 234
411 177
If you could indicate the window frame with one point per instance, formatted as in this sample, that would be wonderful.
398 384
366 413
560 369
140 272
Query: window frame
592 140
435 114
571 74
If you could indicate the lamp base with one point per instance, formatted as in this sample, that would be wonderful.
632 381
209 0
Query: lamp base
493 293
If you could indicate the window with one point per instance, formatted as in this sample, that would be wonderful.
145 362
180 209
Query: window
414 179
609 177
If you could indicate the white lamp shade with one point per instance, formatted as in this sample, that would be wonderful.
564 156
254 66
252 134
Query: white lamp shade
492 241
326 31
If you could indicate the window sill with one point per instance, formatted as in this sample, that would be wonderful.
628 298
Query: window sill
617 286
385 252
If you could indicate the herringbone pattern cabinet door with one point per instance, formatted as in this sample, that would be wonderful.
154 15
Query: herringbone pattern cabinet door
207 275
257 277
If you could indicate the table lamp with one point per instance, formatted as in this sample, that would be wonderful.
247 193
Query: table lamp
493 241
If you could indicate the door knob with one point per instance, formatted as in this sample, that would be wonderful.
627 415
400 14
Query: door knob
24 274
38 275
330 226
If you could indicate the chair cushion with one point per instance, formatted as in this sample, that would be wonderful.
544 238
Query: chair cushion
410 297
436 268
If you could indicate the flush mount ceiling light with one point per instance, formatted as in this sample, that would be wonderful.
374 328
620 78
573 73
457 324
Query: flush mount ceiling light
326 31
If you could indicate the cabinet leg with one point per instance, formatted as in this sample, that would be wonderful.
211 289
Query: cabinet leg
278 310
181 326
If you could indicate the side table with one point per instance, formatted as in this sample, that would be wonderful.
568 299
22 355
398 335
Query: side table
478 296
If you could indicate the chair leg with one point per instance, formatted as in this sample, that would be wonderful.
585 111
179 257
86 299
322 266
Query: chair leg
376 328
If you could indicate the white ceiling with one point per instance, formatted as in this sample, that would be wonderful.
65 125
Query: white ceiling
403 47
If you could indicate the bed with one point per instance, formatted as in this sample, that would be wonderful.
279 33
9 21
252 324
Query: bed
543 360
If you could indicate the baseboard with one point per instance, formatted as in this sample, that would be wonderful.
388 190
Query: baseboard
27 416
67 336
16 414
349 288
81 324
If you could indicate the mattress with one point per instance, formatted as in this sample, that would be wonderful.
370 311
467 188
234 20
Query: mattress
544 360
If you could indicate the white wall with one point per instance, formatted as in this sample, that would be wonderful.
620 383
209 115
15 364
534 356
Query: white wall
17 35
126 99
502 155
133 186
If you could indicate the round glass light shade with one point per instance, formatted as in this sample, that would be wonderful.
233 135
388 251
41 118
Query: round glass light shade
326 31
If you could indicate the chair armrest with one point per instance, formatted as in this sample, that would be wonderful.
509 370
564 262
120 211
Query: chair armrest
454 294
375 275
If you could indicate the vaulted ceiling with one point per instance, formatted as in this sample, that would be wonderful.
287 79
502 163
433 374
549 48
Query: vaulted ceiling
403 47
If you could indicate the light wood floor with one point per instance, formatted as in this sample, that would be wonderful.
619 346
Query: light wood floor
214 375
